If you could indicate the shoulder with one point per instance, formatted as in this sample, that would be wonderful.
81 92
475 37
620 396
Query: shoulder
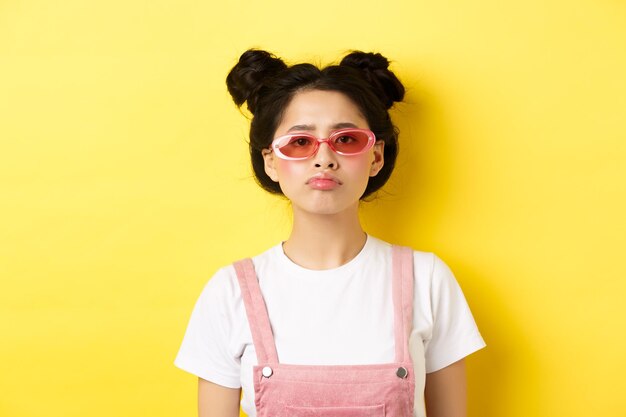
432 270
434 282
224 286
427 266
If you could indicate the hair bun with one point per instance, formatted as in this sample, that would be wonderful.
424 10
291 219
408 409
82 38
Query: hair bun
375 68
246 77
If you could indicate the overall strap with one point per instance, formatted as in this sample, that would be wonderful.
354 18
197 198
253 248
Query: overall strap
256 311
402 289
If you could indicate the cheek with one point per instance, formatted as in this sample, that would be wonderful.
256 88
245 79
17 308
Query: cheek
359 165
286 167
289 171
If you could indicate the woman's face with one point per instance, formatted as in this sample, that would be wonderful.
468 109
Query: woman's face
325 183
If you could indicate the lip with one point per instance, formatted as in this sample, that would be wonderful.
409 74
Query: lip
323 182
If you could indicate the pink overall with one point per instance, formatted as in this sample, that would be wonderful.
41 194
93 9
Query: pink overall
283 390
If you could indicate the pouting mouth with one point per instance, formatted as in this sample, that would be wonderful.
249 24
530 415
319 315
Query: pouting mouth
324 177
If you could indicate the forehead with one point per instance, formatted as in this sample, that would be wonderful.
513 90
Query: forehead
321 109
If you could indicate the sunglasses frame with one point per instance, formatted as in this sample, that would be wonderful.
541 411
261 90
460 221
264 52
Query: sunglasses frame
371 139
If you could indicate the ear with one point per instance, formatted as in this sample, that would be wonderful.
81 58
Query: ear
379 158
269 159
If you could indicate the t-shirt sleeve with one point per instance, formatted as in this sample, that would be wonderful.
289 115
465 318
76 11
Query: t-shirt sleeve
206 350
454 332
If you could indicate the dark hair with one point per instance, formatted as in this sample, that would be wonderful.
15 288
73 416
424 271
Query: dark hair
267 85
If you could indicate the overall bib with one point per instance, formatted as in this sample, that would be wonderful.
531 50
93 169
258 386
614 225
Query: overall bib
381 390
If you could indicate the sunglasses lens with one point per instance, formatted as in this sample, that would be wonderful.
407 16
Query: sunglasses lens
303 146
298 146
351 142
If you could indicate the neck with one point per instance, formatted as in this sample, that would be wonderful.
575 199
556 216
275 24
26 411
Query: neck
325 241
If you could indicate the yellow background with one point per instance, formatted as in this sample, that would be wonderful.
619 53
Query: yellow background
125 183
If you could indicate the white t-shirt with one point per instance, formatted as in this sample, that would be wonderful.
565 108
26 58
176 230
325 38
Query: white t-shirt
341 316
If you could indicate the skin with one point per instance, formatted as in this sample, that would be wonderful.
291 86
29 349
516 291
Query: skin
217 401
445 392
326 229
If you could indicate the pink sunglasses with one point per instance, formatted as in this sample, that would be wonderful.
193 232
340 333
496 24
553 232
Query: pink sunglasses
300 146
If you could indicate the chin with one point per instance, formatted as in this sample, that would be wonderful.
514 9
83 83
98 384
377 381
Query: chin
329 208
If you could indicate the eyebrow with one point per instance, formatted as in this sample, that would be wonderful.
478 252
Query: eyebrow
312 127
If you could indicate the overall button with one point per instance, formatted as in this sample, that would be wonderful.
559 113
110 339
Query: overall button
267 371
402 372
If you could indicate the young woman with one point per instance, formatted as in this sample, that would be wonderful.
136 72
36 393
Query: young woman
332 321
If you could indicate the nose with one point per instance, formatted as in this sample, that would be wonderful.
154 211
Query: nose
325 157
